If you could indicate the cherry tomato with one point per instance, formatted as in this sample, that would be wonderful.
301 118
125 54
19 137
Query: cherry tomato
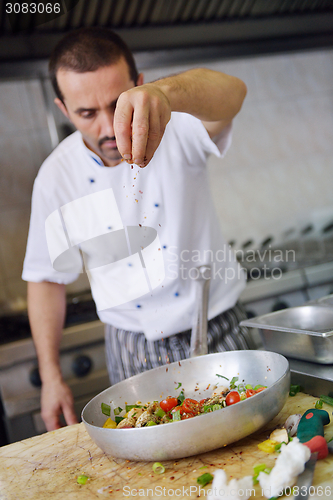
250 392
232 398
185 416
191 406
260 389
168 403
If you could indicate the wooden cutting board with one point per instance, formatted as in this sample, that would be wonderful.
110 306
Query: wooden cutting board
47 466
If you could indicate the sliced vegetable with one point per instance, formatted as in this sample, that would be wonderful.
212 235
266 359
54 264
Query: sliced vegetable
160 413
178 386
130 407
158 468
267 446
82 479
279 436
117 411
151 423
250 392
232 398
106 409
217 407
118 419
319 404
260 468
294 389
221 376
191 406
176 415
205 479
109 424
327 400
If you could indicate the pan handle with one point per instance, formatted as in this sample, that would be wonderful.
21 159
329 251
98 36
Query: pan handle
199 330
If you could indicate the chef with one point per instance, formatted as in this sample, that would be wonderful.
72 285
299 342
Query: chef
134 169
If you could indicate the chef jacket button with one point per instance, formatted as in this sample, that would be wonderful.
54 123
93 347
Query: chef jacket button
176 294
138 306
157 204
92 180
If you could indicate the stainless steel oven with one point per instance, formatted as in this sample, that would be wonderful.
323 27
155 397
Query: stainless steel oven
82 360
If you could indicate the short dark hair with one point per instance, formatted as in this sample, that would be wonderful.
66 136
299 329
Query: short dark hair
88 49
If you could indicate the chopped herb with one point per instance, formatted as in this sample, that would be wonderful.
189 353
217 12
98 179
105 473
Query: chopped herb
117 411
259 386
151 423
181 397
118 419
233 382
248 386
82 479
158 468
205 466
178 386
205 479
221 376
106 409
319 404
294 389
327 400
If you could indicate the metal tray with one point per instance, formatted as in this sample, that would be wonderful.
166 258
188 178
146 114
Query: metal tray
304 332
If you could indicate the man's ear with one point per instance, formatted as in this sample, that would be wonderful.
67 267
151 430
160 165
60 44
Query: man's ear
139 80
61 106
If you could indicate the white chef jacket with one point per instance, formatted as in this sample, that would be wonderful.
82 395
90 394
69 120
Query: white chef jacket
171 195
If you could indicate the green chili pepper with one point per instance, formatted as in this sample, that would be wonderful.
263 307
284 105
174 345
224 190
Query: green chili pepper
327 400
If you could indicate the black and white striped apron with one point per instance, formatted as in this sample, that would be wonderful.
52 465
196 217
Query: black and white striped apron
130 353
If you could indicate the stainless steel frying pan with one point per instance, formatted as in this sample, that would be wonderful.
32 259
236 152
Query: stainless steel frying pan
199 434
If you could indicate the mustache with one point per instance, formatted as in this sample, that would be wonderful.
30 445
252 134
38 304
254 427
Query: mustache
105 139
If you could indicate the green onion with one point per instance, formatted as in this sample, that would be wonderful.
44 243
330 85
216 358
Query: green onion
327 400
205 466
158 468
319 404
207 408
159 413
278 446
257 469
294 389
176 416
221 376
241 388
118 419
178 386
117 411
181 397
233 382
130 407
205 479
151 423
216 407
82 479
106 409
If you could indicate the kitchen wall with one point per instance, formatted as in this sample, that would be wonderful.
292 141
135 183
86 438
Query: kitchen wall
278 174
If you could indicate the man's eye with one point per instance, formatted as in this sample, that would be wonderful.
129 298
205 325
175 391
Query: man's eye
88 114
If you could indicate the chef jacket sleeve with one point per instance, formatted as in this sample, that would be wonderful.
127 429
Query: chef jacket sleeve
37 265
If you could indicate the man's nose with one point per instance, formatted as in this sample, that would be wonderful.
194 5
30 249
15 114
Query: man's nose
107 124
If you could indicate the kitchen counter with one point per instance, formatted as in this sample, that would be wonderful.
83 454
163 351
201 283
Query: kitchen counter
47 466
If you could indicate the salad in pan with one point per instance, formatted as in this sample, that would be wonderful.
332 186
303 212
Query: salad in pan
173 409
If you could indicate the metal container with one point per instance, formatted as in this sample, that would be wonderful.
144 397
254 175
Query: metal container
326 301
202 433
304 332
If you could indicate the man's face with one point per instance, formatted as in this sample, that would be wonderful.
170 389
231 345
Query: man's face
89 102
